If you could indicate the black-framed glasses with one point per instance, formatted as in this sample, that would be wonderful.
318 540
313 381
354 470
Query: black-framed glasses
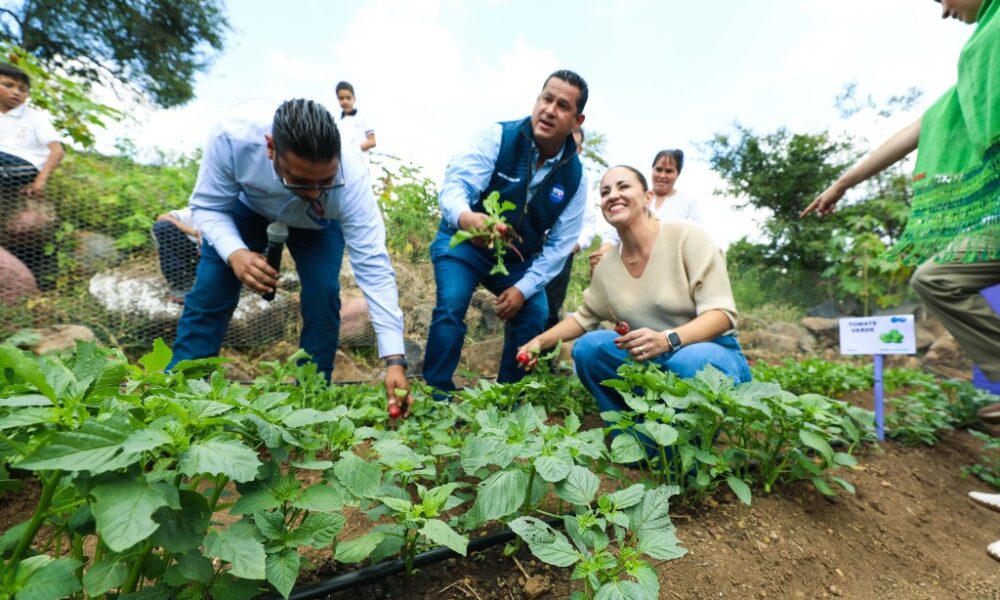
310 187
301 187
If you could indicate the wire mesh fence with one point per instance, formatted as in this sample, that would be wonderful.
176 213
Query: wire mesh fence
115 252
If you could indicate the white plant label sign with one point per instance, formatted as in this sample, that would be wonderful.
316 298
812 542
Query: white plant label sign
891 334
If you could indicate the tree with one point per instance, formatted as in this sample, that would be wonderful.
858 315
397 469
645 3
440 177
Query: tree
154 47
781 172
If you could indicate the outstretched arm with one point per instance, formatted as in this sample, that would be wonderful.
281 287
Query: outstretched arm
892 151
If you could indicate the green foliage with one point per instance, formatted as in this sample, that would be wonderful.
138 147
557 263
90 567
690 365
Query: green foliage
781 172
930 407
698 433
608 537
409 205
496 231
133 463
840 256
67 100
155 47
816 376
988 469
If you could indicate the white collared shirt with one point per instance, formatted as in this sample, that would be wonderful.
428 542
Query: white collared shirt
27 133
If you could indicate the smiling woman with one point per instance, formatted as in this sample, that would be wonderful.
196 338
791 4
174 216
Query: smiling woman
667 282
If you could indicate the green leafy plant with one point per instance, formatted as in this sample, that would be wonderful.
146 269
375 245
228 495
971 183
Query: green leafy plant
988 467
496 231
698 433
816 376
610 540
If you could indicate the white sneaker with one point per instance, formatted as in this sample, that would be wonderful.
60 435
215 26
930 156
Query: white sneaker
994 550
990 501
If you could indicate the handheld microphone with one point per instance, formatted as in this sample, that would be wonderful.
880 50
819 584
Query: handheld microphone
277 233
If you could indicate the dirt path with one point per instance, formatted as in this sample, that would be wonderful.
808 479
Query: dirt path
909 533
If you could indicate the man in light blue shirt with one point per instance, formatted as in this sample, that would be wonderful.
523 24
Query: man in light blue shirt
533 164
291 169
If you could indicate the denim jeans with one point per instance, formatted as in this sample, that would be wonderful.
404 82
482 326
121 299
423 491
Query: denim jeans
597 359
318 254
178 255
457 272
555 291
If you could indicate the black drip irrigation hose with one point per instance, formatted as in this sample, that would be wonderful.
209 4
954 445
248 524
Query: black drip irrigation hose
383 570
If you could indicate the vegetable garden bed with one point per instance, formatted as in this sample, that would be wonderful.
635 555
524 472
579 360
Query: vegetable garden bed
160 486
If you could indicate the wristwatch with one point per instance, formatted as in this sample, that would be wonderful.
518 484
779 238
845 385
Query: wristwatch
394 361
673 339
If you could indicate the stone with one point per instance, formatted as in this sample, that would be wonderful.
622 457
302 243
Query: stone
355 324
805 341
946 357
141 295
18 281
61 337
928 330
827 331
33 225
769 342
826 310
95 251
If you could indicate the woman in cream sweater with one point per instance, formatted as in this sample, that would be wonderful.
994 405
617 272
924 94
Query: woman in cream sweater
666 281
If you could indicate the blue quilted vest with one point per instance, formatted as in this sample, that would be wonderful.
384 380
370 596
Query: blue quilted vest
511 176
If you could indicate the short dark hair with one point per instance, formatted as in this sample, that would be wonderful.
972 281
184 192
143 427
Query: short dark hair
576 81
9 70
343 85
639 176
305 128
675 155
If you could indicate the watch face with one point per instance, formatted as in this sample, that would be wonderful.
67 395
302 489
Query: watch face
674 339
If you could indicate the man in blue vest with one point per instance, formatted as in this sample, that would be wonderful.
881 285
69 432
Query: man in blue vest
532 163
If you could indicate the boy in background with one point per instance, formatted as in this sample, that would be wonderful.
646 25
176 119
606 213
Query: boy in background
354 129
30 148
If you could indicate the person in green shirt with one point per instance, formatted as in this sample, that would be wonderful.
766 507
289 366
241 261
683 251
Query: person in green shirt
953 232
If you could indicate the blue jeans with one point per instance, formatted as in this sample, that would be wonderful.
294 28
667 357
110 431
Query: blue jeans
457 272
208 307
597 359
178 255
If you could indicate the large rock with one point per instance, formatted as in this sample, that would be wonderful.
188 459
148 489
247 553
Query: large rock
827 331
61 337
144 299
804 340
928 331
946 357
355 324
17 280
768 342
33 225
95 251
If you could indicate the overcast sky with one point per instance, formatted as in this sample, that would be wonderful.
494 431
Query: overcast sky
662 74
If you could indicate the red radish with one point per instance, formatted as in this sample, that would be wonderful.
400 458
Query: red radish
622 328
502 228
523 358
394 411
